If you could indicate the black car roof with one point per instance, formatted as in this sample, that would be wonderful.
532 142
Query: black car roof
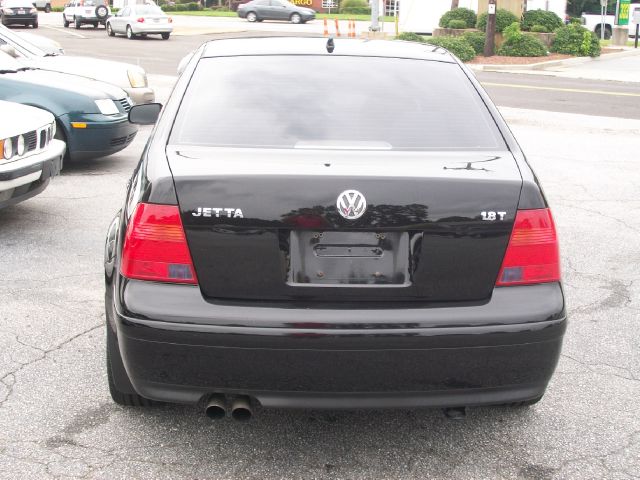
318 46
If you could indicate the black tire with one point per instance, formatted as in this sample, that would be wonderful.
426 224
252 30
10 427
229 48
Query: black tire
61 135
34 24
95 24
607 31
165 36
47 8
525 403
102 12
130 34
121 398
252 17
77 23
295 18
65 22
110 31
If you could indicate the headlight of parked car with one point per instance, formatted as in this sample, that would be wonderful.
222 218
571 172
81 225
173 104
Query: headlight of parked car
34 10
107 106
7 149
137 79
7 11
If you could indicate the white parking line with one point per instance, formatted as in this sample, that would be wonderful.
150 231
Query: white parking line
64 30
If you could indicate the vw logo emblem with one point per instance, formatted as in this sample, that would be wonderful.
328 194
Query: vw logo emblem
351 204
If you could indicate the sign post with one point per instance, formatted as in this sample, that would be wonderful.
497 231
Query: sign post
603 17
622 12
636 20
490 40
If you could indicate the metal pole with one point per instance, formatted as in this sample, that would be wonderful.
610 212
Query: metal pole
375 12
636 41
395 17
490 40
603 19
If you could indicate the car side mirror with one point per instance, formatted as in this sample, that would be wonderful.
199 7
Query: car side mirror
145 114
9 50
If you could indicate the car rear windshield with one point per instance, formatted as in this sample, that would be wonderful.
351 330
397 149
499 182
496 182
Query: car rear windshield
148 10
333 102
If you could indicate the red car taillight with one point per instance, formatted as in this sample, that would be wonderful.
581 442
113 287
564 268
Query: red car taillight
532 255
140 20
155 247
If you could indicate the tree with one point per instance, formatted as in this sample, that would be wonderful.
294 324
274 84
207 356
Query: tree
454 4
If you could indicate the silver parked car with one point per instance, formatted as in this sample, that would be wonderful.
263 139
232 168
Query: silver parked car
140 20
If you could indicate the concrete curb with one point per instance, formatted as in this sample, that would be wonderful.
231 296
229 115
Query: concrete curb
568 62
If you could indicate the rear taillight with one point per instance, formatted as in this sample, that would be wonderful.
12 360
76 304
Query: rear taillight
140 20
170 20
532 255
155 247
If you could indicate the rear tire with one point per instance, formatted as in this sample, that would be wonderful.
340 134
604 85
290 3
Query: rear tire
295 18
101 12
47 8
110 31
252 17
607 32
95 25
77 23
35 24
130 34
65 22
121 398
165 36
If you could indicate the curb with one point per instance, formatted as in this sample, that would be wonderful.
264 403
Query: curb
552 63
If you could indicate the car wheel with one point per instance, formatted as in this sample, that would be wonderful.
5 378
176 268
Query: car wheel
34 24
95 25
295 18
77 22
130 34
110 31
101 12
607 32
165 36
121 398
65 22
47 8
252 17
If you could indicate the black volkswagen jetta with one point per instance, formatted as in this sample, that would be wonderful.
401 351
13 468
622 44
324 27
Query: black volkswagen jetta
331 226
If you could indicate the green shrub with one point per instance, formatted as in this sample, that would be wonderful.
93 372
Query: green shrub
355 7
457 24
456 45
410 37
504 18
194 6
526 46
548 20
168 8
476 40
512 33
574 39
539 29
459 14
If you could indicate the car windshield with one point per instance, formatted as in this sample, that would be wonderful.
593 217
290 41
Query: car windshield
147 10
334 102
22 46
17 4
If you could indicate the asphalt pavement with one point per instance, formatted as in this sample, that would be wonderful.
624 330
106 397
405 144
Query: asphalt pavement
59 422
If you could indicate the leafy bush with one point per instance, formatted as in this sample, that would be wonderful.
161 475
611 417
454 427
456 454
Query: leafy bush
476 40
356 7
525 46
458 24
539 29
194 6
574 39
504 18
512 33
548 20
456 45
459 14
410 37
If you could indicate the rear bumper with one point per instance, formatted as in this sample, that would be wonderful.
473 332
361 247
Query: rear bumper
29 176
503 351
20 19
151 28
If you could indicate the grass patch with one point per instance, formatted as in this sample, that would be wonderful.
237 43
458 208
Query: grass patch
204 13
607 43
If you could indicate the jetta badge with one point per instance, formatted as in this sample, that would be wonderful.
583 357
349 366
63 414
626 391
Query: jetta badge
351 204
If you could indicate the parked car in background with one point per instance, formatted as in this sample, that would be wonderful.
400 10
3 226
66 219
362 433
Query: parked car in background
139 21
593 22
131 78
259 10
81 12
19 12
281 246
29 154
91 116
42 5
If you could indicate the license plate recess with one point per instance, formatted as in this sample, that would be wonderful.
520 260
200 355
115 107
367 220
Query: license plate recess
366 259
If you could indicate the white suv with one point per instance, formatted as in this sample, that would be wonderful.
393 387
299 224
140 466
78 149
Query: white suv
78 12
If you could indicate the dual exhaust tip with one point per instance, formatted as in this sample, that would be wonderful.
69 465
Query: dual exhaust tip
240 409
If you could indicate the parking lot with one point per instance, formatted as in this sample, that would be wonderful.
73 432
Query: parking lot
59 421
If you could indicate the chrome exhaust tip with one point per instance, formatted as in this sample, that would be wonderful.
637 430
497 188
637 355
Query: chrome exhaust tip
241 409
216 407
